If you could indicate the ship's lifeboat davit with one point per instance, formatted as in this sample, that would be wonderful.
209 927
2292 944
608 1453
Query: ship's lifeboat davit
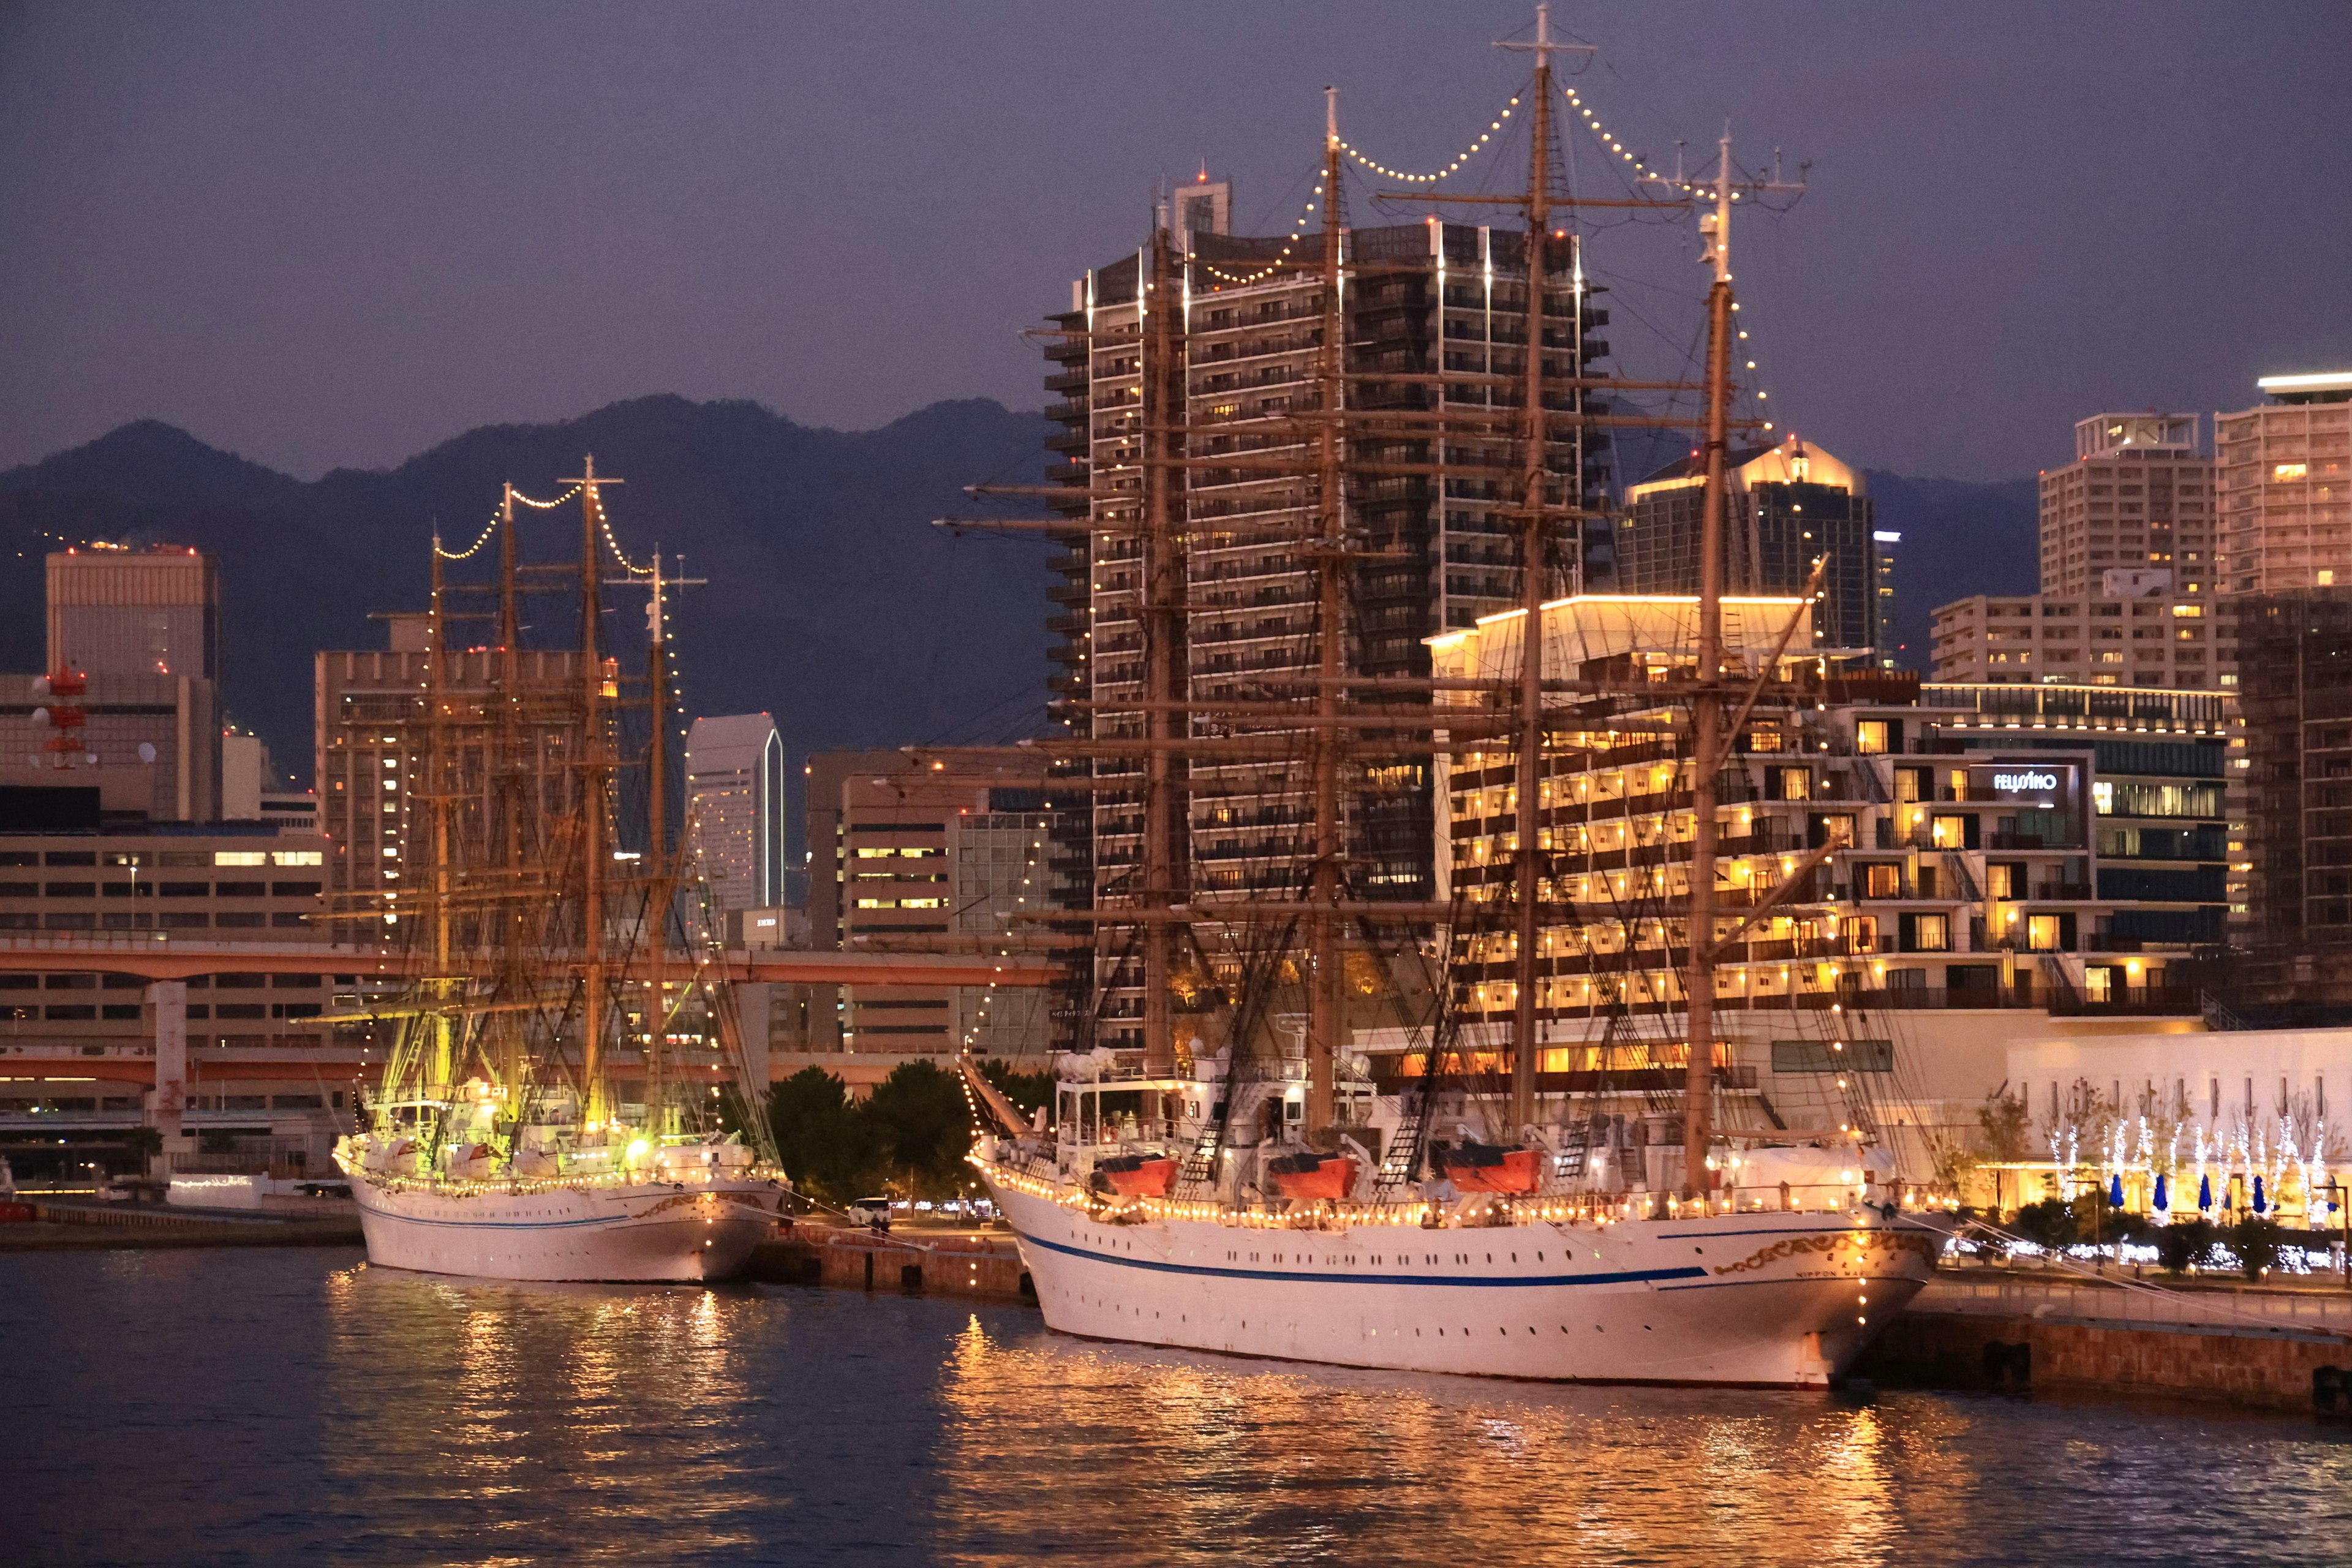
1490 1168
1312 1176
1138 1175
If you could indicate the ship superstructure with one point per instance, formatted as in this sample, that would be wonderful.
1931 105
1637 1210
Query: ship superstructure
1238 1181
552 1103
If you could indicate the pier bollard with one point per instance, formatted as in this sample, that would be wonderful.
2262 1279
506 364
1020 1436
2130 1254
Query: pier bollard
869 1272
910 1278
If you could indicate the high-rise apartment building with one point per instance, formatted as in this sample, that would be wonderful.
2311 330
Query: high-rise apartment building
735 808
2296 673
2137 497
2284 473
1786 507
2150 640
117 611
1435 544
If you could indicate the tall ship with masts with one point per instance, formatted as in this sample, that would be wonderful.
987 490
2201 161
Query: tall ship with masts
1539 1193
555 1098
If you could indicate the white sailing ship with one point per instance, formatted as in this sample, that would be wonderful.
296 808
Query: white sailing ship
1486 1217
550 1110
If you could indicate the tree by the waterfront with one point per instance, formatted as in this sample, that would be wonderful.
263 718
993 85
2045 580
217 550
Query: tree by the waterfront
829 1148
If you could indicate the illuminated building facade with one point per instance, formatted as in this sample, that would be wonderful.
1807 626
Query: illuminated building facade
2050 846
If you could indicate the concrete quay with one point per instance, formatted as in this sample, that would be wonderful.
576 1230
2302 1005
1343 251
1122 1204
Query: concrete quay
937 1263
2274 1348
61 1225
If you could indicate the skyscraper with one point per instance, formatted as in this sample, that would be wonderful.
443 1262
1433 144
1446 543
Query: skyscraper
1789 506
735 808
2138 498
2283 468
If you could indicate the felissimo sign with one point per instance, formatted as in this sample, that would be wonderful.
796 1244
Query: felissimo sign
2049 785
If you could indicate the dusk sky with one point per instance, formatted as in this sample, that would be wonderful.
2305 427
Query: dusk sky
325 235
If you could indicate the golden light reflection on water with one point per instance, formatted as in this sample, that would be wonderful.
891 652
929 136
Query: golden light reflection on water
1222 1454
577 1409
487 1423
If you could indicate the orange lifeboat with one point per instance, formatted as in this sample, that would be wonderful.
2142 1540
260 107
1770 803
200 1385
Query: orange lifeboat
1138 1175
1490 1168
1311 1176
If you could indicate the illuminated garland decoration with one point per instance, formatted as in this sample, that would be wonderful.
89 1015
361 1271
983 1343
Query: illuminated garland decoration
487 530
1271 268
605 523
1552 1211
1641 169
1451 169
492 526
546 505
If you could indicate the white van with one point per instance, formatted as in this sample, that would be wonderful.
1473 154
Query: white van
874 1212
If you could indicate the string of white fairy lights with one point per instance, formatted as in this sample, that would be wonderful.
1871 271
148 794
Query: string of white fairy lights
1271 268
1462 158
491 527
603 522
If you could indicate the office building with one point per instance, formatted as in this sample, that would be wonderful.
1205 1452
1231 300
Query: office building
151 745
997 858
77 1048
133 637
1438 547
735 808
2282 470
1786 507
2138 499
887 837
113 610
370 753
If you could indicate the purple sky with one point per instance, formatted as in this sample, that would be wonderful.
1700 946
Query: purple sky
320 234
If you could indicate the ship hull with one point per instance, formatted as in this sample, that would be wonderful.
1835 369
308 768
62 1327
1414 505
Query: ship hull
651 1231
1752 1298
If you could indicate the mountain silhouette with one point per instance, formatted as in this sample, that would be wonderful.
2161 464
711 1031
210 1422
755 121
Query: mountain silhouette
831 601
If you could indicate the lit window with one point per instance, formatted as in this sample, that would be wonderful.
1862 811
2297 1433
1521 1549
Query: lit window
2289 470
1870 737
2103 799
239 857
2043 932
300 857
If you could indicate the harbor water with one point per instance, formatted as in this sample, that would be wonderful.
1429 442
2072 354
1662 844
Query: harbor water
300 1407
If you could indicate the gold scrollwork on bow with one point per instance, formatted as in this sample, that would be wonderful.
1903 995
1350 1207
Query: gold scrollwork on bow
1796 1245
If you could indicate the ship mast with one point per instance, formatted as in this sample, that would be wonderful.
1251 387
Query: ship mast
1326 994
595 775
438 787
1707 699
1534 516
